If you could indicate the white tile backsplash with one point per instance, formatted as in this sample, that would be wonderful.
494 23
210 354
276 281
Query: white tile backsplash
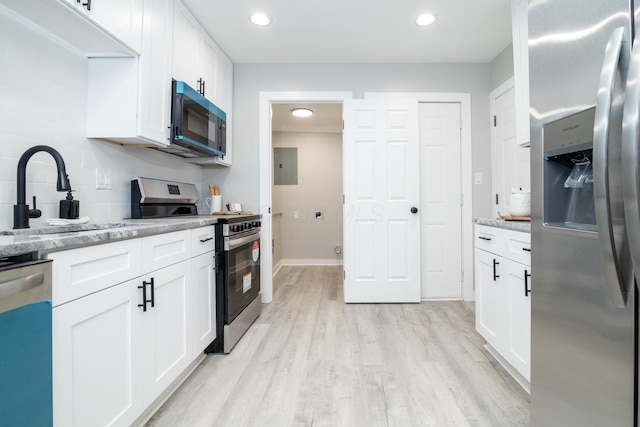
43 90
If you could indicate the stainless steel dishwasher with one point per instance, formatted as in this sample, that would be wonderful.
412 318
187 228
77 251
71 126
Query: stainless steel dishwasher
25 341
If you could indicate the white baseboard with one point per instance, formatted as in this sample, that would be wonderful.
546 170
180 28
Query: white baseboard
277 267
311 261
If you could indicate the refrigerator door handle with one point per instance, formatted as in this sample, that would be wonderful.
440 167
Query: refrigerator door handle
614 59
631 157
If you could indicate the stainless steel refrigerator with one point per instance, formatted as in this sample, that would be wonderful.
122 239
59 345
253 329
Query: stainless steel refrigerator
584 82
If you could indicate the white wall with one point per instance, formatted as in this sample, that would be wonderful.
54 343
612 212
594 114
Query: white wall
241 181
319 188
43 90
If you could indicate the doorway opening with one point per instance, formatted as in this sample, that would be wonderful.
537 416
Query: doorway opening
306 198
267 101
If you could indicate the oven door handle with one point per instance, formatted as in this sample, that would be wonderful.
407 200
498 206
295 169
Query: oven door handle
239 241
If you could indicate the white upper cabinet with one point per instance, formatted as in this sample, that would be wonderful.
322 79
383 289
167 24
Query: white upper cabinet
94 27
120 18
129 99
186 33
195 59
520 33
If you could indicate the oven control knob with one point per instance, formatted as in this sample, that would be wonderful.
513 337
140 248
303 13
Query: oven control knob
247 226
255 223
237 228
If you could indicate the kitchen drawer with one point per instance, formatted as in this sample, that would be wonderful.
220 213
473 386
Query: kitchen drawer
162 250
517 246
488 238
83 271
202 240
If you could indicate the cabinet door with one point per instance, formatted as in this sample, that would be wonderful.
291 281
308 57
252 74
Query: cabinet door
166 328
204 302
120 18
518 343
154 106
224 85
186 45
490 301
208 66
97 341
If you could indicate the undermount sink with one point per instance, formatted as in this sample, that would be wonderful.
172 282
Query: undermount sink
68 228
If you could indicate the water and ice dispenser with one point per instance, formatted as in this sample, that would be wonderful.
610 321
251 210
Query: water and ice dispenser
568 172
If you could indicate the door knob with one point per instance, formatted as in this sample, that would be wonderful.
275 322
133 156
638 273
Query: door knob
414 210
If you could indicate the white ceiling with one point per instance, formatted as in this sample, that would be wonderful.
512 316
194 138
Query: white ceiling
325 118
357 31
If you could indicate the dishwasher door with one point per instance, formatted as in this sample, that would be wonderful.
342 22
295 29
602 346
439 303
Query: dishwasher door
25 343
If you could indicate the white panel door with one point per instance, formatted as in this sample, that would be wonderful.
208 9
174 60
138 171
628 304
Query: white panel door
440 197
381 186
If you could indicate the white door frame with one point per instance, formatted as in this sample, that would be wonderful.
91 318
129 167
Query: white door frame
266 99
464 99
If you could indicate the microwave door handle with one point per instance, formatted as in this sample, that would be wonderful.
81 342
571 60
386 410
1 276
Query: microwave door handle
614 55
631 157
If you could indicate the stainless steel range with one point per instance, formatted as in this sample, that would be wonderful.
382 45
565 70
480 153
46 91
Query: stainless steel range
238 302
157 198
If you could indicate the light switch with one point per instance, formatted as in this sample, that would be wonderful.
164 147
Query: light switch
478 178
103 179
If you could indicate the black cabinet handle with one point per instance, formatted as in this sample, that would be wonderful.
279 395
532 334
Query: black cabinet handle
206 240
87 4
484 238
153 292
414 210
144 295
495 263
201 86
526 249
527 291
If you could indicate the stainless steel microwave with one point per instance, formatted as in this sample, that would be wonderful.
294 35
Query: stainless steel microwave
198 127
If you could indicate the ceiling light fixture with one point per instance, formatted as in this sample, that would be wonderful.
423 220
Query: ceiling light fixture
425 19
260 19
301 112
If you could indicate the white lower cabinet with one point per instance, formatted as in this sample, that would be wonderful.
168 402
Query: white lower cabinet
204 302
115 351
97 354
503 295
166 329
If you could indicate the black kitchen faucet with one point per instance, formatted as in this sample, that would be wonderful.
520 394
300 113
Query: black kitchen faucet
21 211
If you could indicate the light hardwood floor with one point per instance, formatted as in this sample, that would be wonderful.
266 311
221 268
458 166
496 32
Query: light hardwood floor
312 360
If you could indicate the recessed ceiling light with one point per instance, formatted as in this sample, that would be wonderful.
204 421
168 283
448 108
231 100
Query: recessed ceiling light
425 19
301 112
260 19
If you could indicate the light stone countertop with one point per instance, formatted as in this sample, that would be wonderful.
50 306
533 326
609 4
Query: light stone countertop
524 226
57 238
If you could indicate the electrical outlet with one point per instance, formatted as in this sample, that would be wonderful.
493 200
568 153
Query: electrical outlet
103 179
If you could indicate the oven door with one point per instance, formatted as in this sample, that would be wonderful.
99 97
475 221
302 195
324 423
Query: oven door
243 262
